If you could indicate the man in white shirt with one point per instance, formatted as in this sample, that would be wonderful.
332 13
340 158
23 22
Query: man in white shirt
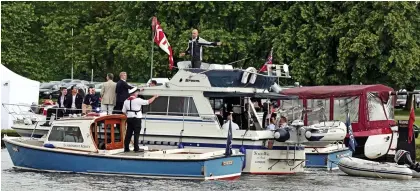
132 108
225 126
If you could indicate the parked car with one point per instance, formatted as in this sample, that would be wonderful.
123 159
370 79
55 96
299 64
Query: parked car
49 90
66 82
401 99
98 88
82 88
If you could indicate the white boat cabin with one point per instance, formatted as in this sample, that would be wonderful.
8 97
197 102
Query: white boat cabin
90 133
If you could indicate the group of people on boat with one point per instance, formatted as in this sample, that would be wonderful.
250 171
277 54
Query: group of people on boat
234 117
110 100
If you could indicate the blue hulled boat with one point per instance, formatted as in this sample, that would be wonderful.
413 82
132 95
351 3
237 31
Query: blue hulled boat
94 145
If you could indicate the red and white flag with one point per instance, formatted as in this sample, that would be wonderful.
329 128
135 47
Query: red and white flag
411 121
161 41
269 61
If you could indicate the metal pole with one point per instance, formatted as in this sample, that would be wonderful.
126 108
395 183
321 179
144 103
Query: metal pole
151 60
72 54
91 77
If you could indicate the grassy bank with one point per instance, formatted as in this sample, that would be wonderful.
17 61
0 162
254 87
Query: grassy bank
8 132
403 115
418 149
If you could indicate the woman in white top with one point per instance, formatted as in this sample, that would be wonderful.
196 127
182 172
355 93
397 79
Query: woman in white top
272 125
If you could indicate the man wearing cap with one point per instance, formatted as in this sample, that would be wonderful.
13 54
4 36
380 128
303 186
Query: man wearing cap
132 108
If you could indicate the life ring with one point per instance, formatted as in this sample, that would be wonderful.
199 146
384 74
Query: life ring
245 76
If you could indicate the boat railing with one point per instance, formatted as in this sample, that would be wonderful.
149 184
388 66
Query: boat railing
31 114
22 112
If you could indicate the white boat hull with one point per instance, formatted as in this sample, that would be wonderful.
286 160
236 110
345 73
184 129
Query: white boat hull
28 130
277 160
358 167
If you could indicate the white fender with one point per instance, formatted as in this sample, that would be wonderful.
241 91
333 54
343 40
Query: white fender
249 70
377 145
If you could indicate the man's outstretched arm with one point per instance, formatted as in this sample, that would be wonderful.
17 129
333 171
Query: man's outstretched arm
204 42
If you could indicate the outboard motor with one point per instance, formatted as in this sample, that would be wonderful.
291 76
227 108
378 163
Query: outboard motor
281 135
402 157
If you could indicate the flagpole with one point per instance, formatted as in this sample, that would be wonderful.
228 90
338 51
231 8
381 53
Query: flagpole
151 60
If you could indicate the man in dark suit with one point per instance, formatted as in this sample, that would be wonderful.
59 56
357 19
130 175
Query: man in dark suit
59 110
74 101
122 92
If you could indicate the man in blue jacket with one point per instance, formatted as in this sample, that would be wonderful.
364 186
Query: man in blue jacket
195 48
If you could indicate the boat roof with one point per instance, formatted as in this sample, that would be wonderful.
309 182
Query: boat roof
232 78
253 95
336 91
90 118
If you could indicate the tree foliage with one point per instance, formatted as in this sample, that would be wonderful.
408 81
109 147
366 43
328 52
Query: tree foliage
323 42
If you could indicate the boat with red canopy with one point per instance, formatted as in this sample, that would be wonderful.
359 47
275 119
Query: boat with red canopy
371 110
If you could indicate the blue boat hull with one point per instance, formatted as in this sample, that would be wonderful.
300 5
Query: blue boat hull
327 160
46 159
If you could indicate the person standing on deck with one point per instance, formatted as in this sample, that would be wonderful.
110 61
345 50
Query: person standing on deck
90 102
75 100
132 108
122 92
195 48
108 94
59 109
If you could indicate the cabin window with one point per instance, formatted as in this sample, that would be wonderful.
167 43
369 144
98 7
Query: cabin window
192 110
319 110
380 109
291 109
178 106
66 134
173 105
216 104
158 107
344 104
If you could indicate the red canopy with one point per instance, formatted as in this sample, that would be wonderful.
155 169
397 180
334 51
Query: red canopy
363 127
319 92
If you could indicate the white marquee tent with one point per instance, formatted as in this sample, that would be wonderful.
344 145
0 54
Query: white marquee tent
15 89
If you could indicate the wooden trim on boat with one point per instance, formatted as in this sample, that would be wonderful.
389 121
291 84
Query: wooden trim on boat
113 116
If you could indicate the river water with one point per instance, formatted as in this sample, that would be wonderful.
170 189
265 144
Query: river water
18 180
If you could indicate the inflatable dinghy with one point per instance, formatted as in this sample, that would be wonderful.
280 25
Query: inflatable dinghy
415 174
359 167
